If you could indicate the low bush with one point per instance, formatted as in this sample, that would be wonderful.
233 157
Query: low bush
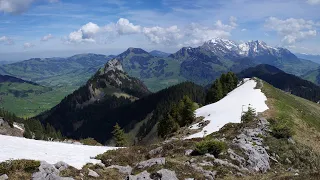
90 142
29 166
281 128
210 146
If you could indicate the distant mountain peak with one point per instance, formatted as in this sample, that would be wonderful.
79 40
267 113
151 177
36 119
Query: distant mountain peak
113 65
136 50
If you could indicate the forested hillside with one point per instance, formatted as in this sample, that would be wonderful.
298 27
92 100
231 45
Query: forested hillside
287 82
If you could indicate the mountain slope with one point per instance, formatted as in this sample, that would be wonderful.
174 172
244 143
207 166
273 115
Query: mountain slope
26 98
314 58
159 53
39 70
156 72
287 82
108 98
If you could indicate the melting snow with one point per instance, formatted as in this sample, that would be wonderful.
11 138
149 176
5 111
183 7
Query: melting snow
18 127
230 108
51 152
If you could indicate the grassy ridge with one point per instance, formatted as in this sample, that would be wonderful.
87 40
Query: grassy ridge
303 114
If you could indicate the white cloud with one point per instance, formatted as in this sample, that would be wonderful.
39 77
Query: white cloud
244 29
159 35
47 37
86 33
194 34
292 30
6 40
313 2
123 27
17 6
197 34
28 45
14 6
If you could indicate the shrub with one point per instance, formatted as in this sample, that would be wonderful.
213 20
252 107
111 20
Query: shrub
90 142
281 128
210 146
248 116
19 165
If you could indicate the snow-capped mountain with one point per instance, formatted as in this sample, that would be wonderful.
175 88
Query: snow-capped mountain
258 50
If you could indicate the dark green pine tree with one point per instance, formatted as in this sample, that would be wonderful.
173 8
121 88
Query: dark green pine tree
215 93
167 126
119 136
187 112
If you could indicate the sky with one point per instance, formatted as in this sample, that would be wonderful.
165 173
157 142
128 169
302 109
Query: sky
59 28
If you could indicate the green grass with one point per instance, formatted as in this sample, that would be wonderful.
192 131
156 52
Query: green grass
30 103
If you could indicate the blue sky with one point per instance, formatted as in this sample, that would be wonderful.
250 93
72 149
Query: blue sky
46 28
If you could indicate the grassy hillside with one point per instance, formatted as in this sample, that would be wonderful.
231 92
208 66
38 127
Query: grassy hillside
57 71
303 115
27 100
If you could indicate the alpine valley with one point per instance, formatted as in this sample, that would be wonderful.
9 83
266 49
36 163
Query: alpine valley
219 111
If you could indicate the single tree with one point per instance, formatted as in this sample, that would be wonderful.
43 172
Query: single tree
119 136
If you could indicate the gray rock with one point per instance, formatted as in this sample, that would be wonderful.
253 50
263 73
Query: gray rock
101 165
141 176
188 152
290 140
122 169
93 173
258 158
167 174
210 175
288 161
155 151
4 176
49 172
151 162
61 166
189 179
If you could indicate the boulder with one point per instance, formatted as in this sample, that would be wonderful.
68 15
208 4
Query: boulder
122 169
49 172
167 174
61 166
151 162
141 176
155 151
93 173
188 152
4 176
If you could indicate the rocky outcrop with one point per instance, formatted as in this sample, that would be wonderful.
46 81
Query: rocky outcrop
155 151
50 172
122 169
251 142
92 173
151 162
163 174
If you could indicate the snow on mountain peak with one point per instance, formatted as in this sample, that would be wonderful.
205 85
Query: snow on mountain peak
222 42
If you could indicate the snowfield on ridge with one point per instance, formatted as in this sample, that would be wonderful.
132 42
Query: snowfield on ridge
12 148
230 108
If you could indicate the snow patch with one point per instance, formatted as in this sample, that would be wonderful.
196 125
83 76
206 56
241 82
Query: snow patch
51 152
230 108
18 127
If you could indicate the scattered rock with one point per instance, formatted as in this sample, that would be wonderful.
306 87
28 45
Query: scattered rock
93 173
61 166
188 152
151 162
210 175
288 161
49 172
4 176
101 165
156 151
143 175
251 143
122 169
290 140
167 174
